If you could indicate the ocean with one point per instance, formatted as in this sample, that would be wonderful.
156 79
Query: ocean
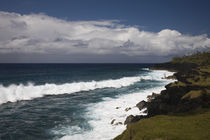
72 101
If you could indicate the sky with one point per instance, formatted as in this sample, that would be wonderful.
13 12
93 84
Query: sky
102 31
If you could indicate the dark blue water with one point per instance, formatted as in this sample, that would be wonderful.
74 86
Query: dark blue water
37 118
65 73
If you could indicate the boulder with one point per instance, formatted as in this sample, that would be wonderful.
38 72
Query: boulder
118 123
112 122
141 105
151 97
145 111
127 109
133 119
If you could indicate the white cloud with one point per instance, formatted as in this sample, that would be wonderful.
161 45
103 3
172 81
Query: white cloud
42 34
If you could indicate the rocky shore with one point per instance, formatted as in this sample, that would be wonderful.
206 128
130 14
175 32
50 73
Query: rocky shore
189 93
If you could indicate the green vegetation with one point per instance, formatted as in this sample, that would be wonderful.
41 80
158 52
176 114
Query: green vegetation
199 81
196 77
205 69
193 94
196 93
199 58
182 111
178 84
193 126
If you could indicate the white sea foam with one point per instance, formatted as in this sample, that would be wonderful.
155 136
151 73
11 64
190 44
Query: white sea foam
101 114
145 68
15 93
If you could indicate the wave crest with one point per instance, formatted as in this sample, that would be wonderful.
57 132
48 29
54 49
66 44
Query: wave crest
14 92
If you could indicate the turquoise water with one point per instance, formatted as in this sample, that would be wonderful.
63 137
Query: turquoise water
70 101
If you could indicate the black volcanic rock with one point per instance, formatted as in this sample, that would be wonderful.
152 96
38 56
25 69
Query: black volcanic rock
141 105
174 66
133 119
151 97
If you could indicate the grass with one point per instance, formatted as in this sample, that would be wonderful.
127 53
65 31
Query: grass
186 126
178 83
193 94
200 59
203 81
191 126
196 93
205 69
201 78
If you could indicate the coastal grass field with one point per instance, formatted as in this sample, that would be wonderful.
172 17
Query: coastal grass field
191 126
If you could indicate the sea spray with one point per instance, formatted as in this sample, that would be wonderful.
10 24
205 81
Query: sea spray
14 93
102 114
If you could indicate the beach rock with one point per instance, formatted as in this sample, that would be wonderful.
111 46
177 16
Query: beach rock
145 111
141 105
118 123
112 122
128 119
133 119
127 109
151 97
117 107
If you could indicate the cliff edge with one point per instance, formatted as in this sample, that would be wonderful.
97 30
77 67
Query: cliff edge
182 111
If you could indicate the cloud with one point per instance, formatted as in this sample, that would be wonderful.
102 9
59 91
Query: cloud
42 34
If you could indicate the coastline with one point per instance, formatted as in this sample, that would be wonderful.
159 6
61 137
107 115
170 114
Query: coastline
142 112
188 97
98 112
106 118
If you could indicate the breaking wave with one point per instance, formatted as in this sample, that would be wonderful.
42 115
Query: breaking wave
106 117
13 93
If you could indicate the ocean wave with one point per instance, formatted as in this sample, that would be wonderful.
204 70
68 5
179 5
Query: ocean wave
13 93
147 69
101 115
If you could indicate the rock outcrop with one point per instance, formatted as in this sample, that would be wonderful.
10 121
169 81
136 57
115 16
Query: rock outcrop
133 119
141 105
189 93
